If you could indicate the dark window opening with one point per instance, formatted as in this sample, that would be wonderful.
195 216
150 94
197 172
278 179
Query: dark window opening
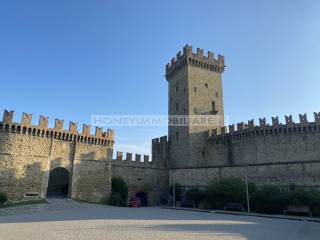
177 136
202 153
177 106
195 110
177 89
195 89
206 85
213 105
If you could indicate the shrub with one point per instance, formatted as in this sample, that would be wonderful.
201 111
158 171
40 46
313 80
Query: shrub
163 200
119 192
3 198
300 196
178 191
195 195
272 199
268 199
219 193
117 200
205 204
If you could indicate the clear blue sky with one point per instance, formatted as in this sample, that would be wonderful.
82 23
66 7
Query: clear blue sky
72 59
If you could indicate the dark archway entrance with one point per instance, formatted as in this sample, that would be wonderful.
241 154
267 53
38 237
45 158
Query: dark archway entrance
143 196
58 184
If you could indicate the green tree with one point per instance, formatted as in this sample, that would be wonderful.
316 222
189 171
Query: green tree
119 192
227 190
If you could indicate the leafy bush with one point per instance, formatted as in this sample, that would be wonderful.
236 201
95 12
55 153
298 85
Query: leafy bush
195 195
228 190
3 198
274 199
299 196
268 199
117 200
205 204
178 191
119 192
163 200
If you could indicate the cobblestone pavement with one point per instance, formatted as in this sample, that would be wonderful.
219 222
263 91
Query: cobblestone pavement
66 219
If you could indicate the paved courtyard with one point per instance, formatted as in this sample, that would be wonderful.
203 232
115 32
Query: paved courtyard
66 219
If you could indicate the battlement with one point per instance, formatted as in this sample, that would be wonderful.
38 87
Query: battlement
160 150
58 132
249 129
138 160
197 59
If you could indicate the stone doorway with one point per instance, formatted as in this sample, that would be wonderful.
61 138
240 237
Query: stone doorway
143 196
58 184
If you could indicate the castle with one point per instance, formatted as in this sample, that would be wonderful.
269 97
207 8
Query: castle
36 159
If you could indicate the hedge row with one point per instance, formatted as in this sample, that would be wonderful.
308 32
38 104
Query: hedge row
270 199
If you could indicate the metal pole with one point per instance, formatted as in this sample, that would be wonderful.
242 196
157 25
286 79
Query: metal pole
174 189
247 189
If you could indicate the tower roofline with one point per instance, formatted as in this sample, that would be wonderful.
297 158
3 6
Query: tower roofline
197 59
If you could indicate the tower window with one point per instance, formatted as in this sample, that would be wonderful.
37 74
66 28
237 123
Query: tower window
217 94
202 153
184 89
177 136
213 105
177 106
195 110
195 89
184 110
206 85
177 88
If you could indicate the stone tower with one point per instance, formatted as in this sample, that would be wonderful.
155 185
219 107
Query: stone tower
195 90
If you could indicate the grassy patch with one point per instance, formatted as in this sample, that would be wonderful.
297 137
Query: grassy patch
16 204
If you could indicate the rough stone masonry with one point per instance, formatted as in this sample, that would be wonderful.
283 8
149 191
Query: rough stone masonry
268 153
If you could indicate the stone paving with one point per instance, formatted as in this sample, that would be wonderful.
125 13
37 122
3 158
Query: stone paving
66 219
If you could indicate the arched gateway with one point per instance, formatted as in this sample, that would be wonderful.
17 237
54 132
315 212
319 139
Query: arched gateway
58 184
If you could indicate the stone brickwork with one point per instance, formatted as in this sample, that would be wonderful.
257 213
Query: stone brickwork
270 153
147 177
195 88
286 173
28 153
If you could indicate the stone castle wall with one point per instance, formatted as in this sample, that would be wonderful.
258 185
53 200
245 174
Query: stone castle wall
28 153
144 174
270 154
145 177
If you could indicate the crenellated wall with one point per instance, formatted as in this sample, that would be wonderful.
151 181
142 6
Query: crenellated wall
276 153
28 153
145 175
197 59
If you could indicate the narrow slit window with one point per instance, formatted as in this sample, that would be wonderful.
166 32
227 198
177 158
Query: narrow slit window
177 136
206 85
213 105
